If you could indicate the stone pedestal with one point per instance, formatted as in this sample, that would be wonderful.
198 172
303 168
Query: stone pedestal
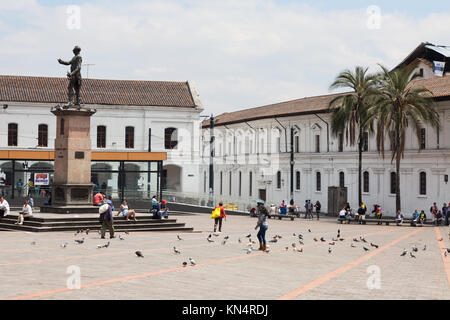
72 188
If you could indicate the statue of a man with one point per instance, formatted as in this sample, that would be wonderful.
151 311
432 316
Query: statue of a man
74 76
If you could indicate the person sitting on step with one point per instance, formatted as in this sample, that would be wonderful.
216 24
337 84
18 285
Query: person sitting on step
26 212
126 212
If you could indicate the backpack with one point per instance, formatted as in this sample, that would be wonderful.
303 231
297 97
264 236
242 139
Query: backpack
215 213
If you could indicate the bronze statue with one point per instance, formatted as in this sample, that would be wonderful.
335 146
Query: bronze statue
74 76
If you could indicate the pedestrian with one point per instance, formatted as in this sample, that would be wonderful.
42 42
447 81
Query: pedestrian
19 186
31 200
438 218
218 220
98 197
106 219
361 213
283 207
125 211
445 213
154 204
318 206
422 217
415 217
378 214
26 212
273 209
309 208
434 209
30 186
399 218
263 225
4 207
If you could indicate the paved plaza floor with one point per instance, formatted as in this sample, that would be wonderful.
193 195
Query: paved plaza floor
35 266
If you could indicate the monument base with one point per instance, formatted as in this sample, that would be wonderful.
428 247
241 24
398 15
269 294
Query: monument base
72 194
69 209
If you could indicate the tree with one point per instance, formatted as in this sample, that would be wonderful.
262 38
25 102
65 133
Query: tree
399 104
350 110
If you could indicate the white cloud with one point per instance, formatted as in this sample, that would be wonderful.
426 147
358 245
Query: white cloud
239 53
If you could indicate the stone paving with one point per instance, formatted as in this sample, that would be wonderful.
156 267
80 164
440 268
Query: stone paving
222 272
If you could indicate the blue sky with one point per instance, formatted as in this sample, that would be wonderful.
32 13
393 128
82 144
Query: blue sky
238 53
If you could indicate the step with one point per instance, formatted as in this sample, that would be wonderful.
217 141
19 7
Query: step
89 223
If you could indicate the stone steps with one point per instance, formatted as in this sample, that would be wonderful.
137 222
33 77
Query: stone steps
39 224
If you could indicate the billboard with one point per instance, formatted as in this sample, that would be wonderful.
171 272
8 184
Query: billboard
41 179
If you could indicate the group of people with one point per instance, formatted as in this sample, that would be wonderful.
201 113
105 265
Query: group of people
26 212
293 209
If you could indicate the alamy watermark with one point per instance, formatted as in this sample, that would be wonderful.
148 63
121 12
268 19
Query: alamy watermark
73 21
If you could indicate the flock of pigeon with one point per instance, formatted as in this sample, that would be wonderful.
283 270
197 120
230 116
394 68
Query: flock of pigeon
249 246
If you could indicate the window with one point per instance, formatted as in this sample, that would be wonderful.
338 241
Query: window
422 138
221 182
278 144
278 179
341 179
129 137
170 138
341 142
365 146
318 181
297 144
240 183
61 127
101 137
393 183
250 183
421 72
297 180
42 135
317 143
12 134
366 181
423 183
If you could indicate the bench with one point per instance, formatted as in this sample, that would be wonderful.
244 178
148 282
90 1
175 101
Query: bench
281 216
383 221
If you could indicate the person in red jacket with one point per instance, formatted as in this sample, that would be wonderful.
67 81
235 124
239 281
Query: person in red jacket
218 221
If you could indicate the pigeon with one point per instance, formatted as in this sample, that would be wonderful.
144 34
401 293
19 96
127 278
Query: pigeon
99 232
315 239
226 238
362 239
184 264
293 245
287 248
301 242
329 249
332 243
64 244
445 253
300 236
176 250
215 234
224 242
192 262
300 250
126 232
80 241
440 239
139 254
249 236
309 230
77 232
424 247
404 253
448 250
249 244
179 238
239 240
322 239
249 250
273 240
341 239
352 245
121 238
414 248
253 242
99 246
366 249
87 231
356 240
374 245
33 243
210 235
210 240
334 239
294 234
279 237
267 250
106 245
411 254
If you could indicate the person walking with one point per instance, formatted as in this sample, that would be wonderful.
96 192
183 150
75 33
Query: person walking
25 213
218 220
263 225
361 213
19 186
318 206
106 219
445 213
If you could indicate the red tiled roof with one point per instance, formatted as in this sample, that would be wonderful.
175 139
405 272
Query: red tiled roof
439 86
97 91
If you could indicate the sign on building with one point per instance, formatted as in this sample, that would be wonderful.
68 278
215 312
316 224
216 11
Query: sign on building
41 179
438 67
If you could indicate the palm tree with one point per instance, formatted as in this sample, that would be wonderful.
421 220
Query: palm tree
399 104
350 110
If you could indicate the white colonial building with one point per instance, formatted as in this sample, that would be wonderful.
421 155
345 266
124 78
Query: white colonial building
137 122
253 153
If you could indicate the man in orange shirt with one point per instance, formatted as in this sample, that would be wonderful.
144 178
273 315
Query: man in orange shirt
218 221
98 198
